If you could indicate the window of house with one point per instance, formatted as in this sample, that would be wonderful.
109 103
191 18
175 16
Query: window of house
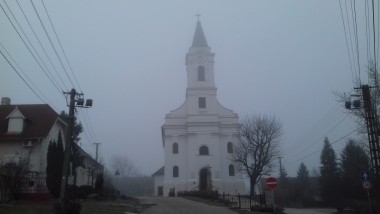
175 171
231 170
202 102
201 73
203 150
230 148
15 125
175 148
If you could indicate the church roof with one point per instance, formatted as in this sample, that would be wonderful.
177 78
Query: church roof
159 172
199 39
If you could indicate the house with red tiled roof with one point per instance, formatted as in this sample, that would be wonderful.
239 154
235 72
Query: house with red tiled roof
25 134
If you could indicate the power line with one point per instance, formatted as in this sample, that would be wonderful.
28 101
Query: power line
345 36
374 41
25 75
324 135
52 80
60 44
42 47
51 42
356 40
22 78
321 149
350 36
328 118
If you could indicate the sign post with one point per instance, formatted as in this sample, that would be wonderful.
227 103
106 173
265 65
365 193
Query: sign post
272 184
367 186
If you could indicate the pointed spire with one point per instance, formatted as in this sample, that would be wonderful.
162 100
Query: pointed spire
199 39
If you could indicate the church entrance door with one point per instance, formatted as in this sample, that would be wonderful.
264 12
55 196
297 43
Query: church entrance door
205 179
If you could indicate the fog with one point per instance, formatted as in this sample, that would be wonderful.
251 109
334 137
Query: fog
281 58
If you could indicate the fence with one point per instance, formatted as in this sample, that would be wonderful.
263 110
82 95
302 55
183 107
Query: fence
243 201
34 182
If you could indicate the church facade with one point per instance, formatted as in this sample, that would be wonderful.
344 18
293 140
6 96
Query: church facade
198 137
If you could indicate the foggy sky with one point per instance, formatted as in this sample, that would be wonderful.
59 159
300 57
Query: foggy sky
281 58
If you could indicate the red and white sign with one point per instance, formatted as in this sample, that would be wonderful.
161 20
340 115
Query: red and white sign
271 183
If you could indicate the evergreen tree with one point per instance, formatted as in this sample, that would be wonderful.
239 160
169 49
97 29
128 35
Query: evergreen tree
54 166
303 174
302 183
329 178
353 161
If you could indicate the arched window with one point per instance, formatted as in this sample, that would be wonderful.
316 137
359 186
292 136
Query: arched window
230 148
175 148
203 150
175 171
201 73
231 170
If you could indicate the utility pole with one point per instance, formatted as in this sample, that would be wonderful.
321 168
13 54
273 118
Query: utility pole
76 100
279 159
68 142
96 156
373 130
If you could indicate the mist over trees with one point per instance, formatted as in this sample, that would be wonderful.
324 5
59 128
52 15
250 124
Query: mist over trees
124 165
257 147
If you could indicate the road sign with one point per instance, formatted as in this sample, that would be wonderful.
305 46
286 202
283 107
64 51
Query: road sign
365 176
367 185
271 183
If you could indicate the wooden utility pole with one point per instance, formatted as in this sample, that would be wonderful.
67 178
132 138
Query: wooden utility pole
69 137
68 142
96 156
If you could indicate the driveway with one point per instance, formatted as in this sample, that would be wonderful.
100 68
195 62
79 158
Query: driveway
176 205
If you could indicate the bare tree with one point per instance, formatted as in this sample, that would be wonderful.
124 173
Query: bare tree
257 147
12 175
124 165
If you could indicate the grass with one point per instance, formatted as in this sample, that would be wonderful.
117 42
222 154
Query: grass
88 207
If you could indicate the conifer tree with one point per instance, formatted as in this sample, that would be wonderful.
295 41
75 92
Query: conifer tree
302 184
354 160
54 166
329 178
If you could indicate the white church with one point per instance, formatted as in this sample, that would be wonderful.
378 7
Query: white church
198 137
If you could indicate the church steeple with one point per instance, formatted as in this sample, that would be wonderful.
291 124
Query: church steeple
199 39
200 69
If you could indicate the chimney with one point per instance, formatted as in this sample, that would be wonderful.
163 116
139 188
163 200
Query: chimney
5 101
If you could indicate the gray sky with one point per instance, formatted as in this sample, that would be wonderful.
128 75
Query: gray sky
282 58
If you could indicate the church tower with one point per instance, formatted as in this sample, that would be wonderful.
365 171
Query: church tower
198 137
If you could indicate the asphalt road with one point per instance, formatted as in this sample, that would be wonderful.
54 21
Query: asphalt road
176 205
310 211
